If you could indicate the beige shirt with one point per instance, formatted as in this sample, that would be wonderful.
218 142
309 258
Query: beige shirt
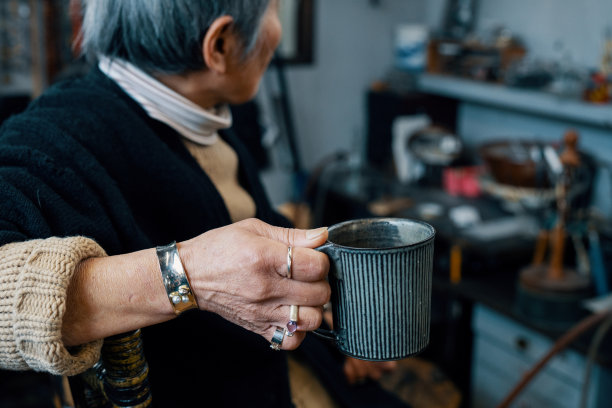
220 162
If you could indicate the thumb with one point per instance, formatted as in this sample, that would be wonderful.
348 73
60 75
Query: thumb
307 238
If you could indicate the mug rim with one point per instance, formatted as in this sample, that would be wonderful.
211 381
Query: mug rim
382 219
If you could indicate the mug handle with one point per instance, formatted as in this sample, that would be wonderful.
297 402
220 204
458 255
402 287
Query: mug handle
326 334
329 250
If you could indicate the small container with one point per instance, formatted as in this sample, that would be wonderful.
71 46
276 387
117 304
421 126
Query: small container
411 47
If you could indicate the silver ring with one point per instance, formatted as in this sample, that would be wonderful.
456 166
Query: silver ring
293 311
289 262
277 339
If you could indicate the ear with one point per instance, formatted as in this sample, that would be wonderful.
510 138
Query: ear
219 44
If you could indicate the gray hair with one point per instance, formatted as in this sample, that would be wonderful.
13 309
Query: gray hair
164 35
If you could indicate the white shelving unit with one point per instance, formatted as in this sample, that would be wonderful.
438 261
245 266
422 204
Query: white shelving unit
521 100
489 111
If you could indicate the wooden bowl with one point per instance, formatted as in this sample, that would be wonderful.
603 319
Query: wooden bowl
516 163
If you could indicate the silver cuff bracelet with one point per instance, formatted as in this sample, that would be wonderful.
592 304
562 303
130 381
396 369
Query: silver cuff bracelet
175 279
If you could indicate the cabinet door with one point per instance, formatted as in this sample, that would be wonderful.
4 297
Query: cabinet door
496 370
504 350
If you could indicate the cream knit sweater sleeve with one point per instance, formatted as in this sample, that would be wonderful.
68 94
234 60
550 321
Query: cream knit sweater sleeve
34 277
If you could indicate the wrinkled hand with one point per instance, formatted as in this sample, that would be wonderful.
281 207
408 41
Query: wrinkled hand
240 272
357 371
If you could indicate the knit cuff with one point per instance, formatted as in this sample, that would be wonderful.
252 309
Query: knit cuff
40 304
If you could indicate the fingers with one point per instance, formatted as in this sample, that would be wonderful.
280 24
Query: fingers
308 285
240 272
309 318
289 343
305 293
308 265
289 236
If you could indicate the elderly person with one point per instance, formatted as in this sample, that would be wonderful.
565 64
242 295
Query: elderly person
103 172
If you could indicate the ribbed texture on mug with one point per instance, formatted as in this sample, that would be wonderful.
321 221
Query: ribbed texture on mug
361 327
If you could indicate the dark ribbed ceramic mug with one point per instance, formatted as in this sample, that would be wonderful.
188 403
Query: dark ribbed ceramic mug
380 275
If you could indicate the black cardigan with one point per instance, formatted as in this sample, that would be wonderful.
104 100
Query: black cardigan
85 159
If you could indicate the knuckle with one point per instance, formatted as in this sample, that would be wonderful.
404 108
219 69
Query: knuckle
258 260
258 257
252 224
245 223
261 292
289 235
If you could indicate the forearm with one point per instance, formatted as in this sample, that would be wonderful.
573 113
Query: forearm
112 295
235 271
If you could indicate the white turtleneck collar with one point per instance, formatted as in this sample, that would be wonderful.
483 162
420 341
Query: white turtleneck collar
162 103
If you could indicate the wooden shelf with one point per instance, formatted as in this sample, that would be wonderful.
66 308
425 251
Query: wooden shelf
538 103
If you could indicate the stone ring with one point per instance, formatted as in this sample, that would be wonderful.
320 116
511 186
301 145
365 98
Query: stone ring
293 317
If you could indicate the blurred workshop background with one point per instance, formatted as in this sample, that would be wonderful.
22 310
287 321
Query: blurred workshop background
491 120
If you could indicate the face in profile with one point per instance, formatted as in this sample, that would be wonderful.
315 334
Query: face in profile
248 71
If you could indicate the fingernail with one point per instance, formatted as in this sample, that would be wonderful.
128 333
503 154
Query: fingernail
315 233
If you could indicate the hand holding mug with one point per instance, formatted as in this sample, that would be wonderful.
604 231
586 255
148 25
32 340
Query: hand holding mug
240 273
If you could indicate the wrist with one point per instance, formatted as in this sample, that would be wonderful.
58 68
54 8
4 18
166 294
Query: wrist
112 295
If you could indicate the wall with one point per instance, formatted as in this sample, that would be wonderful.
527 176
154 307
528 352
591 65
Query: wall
580 26
353 48
577 24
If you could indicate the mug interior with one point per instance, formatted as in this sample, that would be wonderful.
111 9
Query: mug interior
380 233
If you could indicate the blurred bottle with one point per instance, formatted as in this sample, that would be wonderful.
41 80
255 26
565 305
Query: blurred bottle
570 77
411 47
599 88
